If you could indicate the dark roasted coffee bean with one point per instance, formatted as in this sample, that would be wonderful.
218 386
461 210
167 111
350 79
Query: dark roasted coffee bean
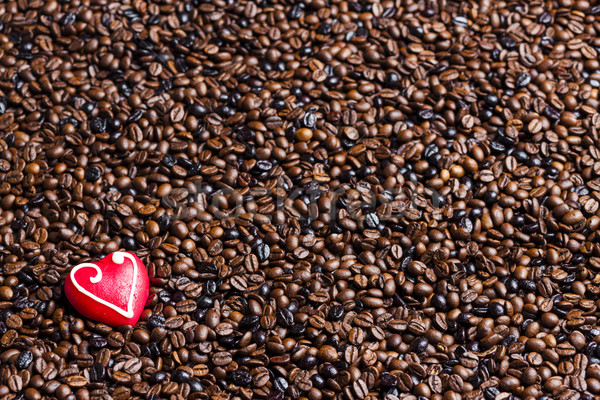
329 371
92 174
24 359
336 312
169 161
420 345
523 79
97 373
97 125
308 362
158 377
280 384
180 376
205 302
259 337
439 302
495 310
388 380
196 386
241 377
98 342
285 317
275 395
262 252
22 303
372 220
157 321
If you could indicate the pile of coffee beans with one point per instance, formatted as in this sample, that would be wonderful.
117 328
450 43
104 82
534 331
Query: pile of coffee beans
335 199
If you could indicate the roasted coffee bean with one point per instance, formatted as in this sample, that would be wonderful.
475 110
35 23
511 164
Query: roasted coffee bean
222 358
285 317
196 386
24 359
77 381
98 342
156 321
97 372
420 345
262 252
241 377
158 377
280 384
181 376
15 383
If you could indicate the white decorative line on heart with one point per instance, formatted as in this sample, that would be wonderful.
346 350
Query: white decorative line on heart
117 258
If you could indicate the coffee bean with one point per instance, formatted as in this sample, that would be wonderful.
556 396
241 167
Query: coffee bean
15 383
120 377
262 252
280 384
77 381
132 366
222 358
158 377
24 359
523 79
6 293
285 317
196 386
360 389
156 321
97 372
420 345
98 342
329 371
241 377
14 321
260 377
180 376
327 353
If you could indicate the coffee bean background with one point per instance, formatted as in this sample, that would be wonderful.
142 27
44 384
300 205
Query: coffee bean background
334 199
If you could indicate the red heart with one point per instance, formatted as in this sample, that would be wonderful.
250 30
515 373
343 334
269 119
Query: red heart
112 291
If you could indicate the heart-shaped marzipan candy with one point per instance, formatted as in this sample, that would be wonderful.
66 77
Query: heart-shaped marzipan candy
112 291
